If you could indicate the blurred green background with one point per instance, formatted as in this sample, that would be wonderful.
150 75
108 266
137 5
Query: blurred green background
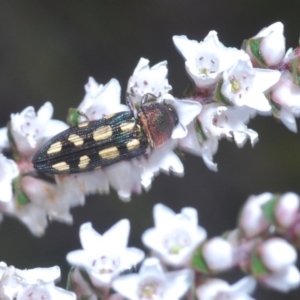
49 48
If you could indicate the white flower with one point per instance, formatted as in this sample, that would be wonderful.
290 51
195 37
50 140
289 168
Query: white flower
101 100
175 236
205 61
186 111
215 288
285 280
287 95
4 142
125 178
245 86
161 159
30 129
205 149
218 254
271 44
287 210
148 80
56 200
227 121
32 284
252 221
8 172
80 285
87 182
105 256
153 283
277 254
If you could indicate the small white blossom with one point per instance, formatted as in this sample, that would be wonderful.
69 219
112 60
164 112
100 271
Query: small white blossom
287 95
245 86
252 220
175 236
4 142
30 129
8 172
55 199
186 111
153 283
218 254
101 100
32 284
228 121
148 80
277 254
205 61
218 289
125 178
105 256
205 149
271 44
287 210
161 159
285 280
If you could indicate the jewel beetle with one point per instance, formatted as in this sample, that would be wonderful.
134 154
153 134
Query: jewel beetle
92 145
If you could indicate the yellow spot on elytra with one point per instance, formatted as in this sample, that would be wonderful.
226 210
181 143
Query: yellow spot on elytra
83 124
61 166
102 133
55 148
128 126
109 153
133 144
109 116
83 161
75 139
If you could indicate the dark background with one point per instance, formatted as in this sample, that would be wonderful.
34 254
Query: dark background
49 48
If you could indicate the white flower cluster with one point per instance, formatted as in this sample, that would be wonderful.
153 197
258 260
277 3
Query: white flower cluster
229 86
36 283
106 268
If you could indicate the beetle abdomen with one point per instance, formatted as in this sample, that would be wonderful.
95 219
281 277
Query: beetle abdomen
91 145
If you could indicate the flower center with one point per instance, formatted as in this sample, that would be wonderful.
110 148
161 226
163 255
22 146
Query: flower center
105 264
176 240
235 84
150 289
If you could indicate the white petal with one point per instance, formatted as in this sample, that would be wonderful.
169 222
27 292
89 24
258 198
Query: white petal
179 282
116 238
288 119
33 276
91 240
78 258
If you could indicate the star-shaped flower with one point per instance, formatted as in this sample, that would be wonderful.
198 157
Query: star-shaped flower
153 283
175 236
104 256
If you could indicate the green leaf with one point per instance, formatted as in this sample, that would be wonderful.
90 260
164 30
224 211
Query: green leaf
21 197
254 46
189 91
269 207
275 108
256 266
73 117
198 262
218 96
295 69
70 286
199 131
